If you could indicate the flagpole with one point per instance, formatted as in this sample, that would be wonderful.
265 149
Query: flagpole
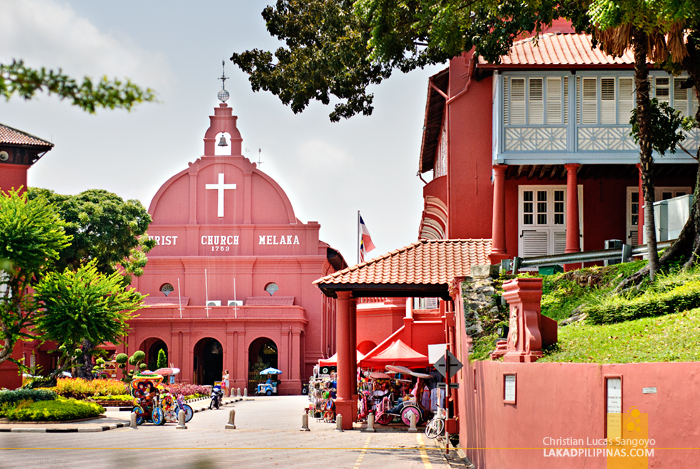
206 292
235 311
358 237
179 298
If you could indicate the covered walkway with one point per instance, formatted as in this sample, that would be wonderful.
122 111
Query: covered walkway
426 268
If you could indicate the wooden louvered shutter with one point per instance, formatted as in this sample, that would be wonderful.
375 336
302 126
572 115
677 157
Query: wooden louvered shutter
536 103
535 243
680 97
554 100
517 101
559 242
625 100
607 101
589 101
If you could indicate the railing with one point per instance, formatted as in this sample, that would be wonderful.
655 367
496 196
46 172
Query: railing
623 254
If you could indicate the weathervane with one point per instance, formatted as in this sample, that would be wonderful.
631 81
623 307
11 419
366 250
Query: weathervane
223 94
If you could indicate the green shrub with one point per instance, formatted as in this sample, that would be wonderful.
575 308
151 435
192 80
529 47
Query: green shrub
35 395
612 309
58 410
82 388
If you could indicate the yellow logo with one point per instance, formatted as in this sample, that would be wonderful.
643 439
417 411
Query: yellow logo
632 449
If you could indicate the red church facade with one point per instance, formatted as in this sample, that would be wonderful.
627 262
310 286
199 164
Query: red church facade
230 280
535 152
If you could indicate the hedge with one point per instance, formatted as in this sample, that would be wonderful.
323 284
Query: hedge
58 410
619 309
35 395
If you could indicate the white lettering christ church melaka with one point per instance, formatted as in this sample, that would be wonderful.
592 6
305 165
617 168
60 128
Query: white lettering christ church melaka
272 239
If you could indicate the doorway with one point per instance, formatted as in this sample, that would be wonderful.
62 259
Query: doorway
208 361
262 354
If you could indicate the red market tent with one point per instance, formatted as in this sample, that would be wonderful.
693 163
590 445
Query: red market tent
398 353
333 361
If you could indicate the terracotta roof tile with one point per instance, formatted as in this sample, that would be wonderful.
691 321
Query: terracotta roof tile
431 262
11 136
560 49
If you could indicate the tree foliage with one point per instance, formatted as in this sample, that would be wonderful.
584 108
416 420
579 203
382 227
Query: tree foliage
32 236
18 79
84 304
105 228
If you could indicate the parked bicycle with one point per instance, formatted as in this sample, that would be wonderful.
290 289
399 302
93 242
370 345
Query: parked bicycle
436 426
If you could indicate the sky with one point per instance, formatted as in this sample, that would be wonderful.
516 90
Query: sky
328 170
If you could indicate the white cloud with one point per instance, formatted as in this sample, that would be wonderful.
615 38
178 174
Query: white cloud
46 33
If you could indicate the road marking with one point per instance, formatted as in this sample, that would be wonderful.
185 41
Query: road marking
362 453
423 452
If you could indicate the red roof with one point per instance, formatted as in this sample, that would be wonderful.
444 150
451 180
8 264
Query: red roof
398 353
425 262
11 136
563 49
333 361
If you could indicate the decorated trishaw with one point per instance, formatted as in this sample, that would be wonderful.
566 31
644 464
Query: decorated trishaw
152 403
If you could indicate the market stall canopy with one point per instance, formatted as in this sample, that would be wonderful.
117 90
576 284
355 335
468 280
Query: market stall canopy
271 371
333 361
398 353
405 371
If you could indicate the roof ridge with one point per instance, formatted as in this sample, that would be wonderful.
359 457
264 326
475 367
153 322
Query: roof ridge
26 134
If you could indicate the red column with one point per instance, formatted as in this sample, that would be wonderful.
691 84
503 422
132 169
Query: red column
573 243
640 220
353 354
344 404
498 223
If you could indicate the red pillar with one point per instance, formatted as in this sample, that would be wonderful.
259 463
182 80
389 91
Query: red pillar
353 354
498 223
640 220
573 233
344 404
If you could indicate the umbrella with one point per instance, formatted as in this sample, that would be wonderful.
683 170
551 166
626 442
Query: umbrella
406 371
271 371
379 375
167 371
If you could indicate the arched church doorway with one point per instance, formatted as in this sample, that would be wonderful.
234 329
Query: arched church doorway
262 354
208 361
151 347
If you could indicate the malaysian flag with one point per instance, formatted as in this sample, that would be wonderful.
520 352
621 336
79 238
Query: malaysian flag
366 244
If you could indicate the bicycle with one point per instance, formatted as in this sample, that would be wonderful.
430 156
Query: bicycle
436 426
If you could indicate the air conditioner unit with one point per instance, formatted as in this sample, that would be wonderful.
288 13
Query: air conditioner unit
235 302
214 303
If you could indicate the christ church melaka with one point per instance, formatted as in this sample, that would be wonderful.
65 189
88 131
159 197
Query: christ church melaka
230 281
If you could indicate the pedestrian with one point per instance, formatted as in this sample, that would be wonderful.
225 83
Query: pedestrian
224 382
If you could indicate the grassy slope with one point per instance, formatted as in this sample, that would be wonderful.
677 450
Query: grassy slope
670 338
673 337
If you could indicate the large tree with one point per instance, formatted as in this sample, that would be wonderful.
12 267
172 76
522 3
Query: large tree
83 309
18 79
32 237
324 54
105 228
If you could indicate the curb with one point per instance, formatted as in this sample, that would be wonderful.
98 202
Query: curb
103 428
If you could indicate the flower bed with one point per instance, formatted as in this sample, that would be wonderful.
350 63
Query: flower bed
190 391
81 389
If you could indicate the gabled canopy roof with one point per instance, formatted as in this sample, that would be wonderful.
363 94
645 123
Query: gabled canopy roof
398 353
10 136
424 268
333 361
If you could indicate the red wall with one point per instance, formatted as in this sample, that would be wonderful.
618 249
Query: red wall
13 176
469 185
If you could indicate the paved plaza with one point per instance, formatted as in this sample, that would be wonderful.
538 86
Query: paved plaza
267 435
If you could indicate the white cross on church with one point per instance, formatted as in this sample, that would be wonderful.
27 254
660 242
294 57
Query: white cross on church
221 187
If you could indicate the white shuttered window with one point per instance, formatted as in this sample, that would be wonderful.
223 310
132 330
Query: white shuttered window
607 101
535 102
517 101
554 100
626 98
589 101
